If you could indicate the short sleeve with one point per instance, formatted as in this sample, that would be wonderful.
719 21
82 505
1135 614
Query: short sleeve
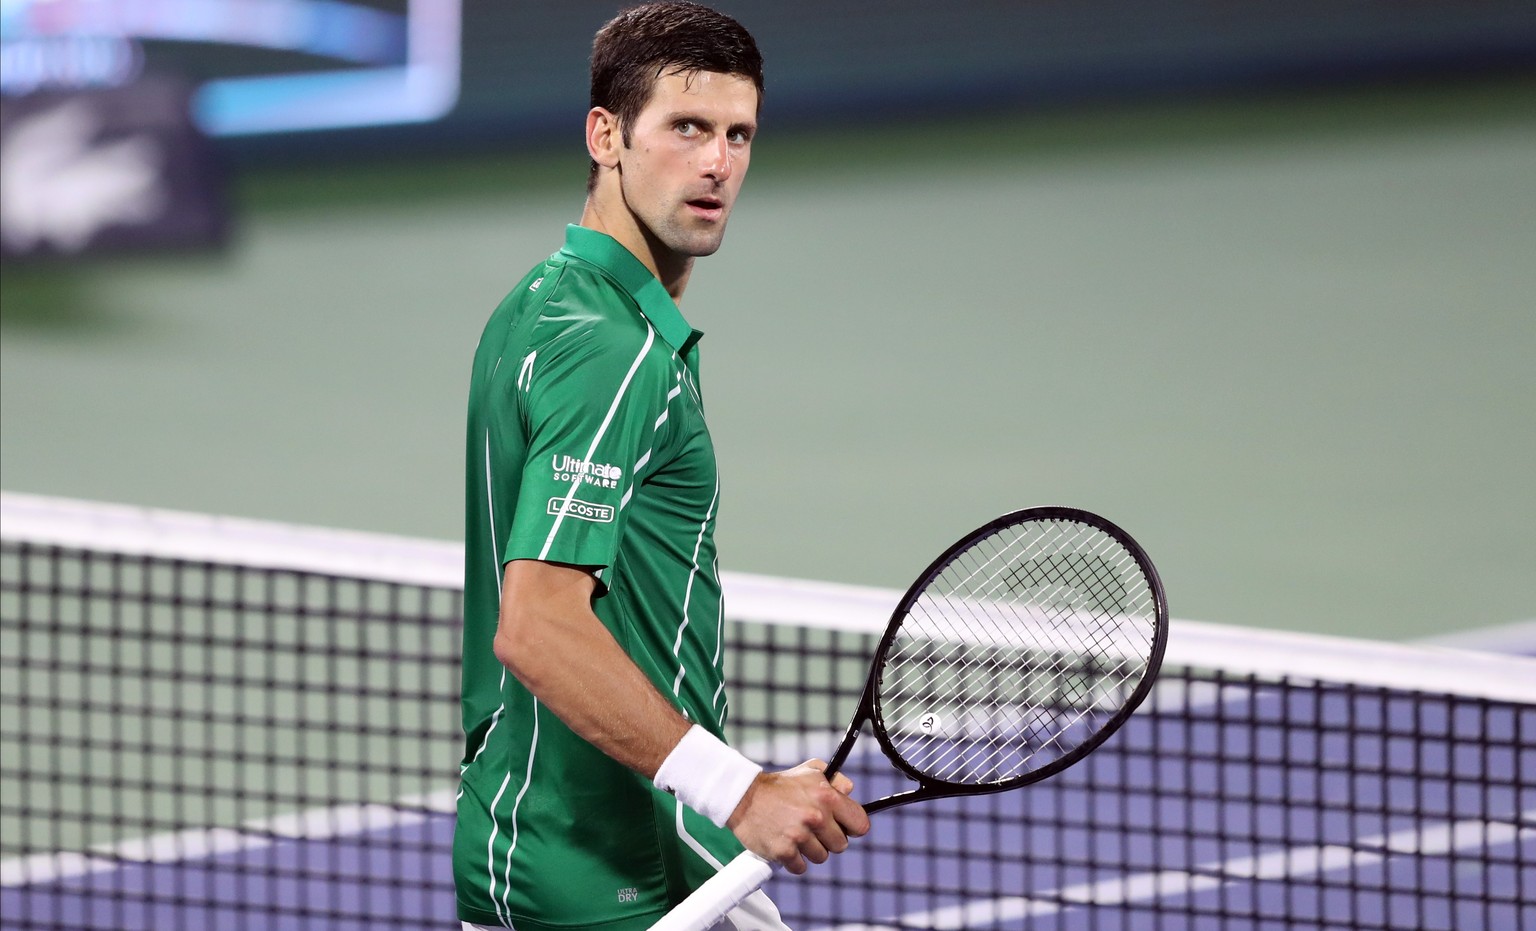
591 398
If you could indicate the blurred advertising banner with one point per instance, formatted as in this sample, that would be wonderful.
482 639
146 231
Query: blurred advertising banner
107 170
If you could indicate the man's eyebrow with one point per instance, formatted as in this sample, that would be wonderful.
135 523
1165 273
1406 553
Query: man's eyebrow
689 116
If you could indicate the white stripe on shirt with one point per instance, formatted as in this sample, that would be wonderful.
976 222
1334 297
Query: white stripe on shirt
650 337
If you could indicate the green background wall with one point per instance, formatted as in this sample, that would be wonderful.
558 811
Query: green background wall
1286 341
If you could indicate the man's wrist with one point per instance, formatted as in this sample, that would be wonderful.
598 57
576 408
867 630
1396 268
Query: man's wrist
707 775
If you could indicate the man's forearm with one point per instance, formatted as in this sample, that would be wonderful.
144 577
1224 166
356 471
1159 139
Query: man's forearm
549 638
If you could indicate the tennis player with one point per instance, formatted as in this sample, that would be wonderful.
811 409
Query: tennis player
596 788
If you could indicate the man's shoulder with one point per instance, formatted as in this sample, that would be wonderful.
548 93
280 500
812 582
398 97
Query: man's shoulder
587 329
568 293
575 281
578 301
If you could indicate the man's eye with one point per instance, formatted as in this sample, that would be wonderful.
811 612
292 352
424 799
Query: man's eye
687 128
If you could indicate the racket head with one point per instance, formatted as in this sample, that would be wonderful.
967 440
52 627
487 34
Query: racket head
1016 653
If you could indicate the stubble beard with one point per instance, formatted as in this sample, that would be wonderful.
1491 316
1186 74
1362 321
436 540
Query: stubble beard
676 235
679 232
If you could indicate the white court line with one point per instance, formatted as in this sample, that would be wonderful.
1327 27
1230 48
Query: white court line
311 824
205 843
1276 865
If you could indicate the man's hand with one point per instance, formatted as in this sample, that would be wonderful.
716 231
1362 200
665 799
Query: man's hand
797 815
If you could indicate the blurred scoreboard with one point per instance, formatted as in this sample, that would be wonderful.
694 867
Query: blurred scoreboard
110 107
256 80
462 70
257 66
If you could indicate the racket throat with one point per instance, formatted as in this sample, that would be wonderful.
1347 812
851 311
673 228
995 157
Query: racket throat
835 765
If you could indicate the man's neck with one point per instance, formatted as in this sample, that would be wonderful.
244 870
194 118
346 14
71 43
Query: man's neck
671 269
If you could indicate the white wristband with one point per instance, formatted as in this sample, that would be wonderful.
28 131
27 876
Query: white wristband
706 775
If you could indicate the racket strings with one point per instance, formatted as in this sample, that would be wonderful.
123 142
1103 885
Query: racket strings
1037 687
1016 651
988 726
1054 630
1021 723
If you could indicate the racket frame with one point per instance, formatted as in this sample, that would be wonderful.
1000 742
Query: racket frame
869 711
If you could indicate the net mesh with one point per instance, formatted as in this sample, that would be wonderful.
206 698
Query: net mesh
195 744
1023 648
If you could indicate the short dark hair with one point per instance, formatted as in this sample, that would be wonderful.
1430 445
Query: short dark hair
642 43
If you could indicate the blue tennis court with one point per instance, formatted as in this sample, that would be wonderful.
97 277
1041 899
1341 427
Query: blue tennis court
1226 803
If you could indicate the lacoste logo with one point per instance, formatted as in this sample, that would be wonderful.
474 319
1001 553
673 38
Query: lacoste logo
62 184
581 510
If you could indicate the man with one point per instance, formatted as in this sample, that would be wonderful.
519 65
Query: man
596 790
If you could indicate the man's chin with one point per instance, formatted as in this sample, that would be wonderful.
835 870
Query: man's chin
699 245
688 237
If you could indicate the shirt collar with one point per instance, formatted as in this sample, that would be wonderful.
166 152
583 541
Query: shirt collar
620 264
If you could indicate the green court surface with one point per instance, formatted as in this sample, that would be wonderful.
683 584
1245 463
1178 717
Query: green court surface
1287 343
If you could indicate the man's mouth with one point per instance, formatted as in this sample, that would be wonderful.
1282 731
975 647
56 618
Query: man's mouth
708 208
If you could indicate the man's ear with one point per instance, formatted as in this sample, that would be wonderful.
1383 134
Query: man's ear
604 138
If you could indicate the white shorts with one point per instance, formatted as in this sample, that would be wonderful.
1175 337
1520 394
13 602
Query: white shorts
757 913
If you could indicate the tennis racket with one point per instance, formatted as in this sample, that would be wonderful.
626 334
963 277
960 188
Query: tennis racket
1016 653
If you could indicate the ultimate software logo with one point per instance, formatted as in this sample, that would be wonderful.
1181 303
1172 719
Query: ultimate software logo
600 474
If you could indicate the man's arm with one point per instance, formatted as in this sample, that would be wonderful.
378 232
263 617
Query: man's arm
549 638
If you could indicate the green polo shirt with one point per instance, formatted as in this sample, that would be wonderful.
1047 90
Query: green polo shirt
586 446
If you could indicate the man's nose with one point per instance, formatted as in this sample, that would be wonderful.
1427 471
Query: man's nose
717 162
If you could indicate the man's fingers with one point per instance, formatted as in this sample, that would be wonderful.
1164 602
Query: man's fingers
848 815
839 781
843 818
851 817
799 816
830 838
823 829
815 851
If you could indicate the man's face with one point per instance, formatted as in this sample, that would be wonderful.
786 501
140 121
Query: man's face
687 156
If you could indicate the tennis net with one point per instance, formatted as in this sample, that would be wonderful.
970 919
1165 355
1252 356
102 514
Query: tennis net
209 722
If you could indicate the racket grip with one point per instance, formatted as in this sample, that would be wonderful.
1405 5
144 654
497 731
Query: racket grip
722 892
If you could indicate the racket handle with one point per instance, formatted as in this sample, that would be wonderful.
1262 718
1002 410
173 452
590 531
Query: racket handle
724 891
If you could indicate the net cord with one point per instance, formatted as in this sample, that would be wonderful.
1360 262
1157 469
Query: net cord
133 530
